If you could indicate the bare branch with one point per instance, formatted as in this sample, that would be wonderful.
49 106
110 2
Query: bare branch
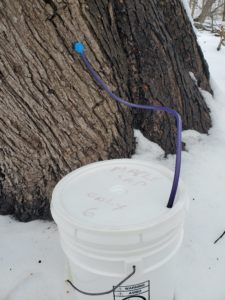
220 237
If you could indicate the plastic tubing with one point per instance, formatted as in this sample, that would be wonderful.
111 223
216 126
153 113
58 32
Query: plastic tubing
79 48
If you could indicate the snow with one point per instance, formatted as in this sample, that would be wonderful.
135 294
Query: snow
32 262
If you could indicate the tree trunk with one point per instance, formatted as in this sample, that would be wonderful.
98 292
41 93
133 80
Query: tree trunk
223 15
194 2
205 11
54 118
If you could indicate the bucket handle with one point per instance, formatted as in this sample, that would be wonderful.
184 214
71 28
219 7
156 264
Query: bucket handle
103 293
79 48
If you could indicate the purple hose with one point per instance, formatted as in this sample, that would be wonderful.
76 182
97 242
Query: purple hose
79 48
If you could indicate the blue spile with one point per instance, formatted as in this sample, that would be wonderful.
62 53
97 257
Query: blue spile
78 47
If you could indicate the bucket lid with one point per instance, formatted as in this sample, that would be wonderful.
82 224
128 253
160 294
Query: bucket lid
120 194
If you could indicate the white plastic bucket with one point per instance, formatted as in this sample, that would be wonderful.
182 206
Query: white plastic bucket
111 216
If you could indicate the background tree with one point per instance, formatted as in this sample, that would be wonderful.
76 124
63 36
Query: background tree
206 9
53 116
223 12
193 4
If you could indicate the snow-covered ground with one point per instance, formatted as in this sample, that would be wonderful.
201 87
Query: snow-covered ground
31 260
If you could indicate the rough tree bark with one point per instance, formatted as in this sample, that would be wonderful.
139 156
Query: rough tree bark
53 116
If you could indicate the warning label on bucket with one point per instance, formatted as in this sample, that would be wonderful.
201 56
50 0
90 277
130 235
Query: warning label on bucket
135 291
